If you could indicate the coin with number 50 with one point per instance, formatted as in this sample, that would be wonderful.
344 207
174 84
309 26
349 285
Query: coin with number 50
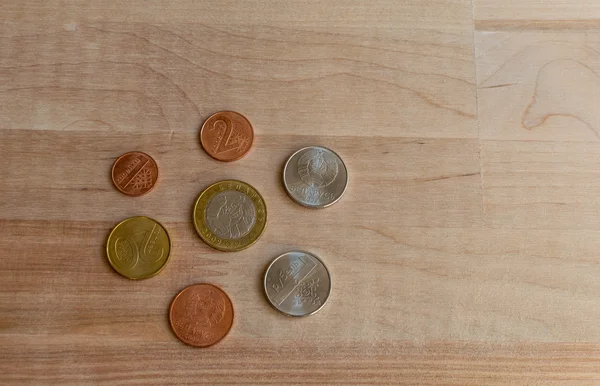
138 247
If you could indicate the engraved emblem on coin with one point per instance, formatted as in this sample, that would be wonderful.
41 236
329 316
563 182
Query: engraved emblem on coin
307 293
230 215
206 310
143 180
317 169
126 253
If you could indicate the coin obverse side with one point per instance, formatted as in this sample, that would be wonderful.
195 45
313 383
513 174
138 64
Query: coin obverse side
230 215
201 315
315 177
134 173
297 283
227 136
138 247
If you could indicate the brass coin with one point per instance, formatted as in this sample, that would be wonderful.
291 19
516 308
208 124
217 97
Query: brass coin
138 247
230 215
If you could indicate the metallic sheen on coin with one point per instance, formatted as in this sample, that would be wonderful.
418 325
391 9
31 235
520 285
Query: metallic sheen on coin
227 136
230 215
138 247
134 173
297 283
201 315
315 177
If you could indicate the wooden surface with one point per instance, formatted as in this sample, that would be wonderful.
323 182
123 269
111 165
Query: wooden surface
465 250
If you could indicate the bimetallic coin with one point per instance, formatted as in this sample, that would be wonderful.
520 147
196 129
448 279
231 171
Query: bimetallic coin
134 173
297 283
226 136
315 177
138 247
201 315
230 215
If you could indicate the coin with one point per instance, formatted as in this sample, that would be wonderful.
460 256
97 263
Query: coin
226 136
230 215
315 177
138 247
297 283
134 173
201 315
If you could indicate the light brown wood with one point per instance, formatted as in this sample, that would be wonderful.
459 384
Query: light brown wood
465 250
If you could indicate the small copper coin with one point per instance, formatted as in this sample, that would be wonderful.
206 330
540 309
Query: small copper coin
201 315
134 173
227 136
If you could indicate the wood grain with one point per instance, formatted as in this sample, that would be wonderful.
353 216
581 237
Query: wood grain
464 251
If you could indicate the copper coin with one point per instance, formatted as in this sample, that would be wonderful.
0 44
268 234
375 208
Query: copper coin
134 173
201 315
226 136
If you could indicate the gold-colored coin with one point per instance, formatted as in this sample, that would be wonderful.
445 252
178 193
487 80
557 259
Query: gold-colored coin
230 215
138 247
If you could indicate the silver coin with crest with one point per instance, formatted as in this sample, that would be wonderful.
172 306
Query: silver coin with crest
297 283
315 177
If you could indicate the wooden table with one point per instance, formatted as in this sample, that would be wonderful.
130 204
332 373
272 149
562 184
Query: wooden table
466 249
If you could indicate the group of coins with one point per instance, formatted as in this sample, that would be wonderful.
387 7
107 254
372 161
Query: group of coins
229 216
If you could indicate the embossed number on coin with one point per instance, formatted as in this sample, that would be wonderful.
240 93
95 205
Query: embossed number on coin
138 247
315 177
297 283
201 315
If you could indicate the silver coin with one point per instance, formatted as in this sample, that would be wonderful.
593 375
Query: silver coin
297 283
230 215
315 177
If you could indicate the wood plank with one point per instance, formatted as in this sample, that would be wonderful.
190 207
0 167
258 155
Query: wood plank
426 284
526 14
65 175
538 85
541 185
402 363
410 14
146 77
452 304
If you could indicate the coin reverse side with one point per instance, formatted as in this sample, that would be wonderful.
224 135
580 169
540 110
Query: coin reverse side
227 136
134 173
297 283
138 247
